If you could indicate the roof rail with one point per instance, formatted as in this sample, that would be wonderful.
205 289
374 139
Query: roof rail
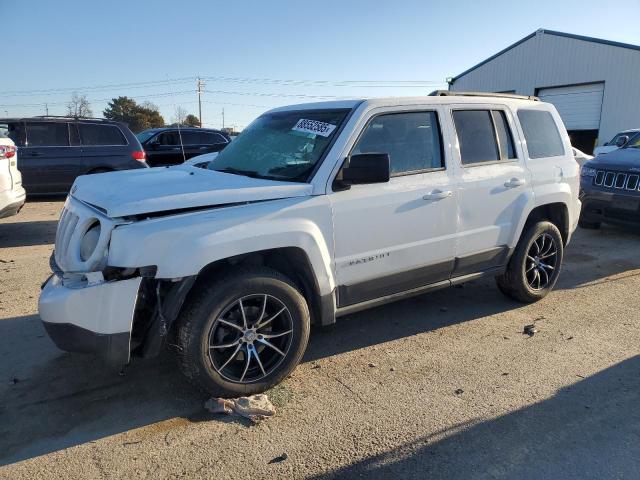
71 117
453 93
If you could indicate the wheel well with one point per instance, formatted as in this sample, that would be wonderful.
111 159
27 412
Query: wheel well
292 262
556 213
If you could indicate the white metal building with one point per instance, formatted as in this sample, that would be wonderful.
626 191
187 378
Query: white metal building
594 83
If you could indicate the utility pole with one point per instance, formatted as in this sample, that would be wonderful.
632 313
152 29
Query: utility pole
46 109
223 118
200 92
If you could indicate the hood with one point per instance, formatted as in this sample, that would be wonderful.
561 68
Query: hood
148 190
620 159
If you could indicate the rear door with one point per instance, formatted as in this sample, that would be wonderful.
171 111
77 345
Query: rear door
212 142
48 161
494 186
165 149
104 147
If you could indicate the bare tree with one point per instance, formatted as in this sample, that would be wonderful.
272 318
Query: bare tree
179 115
79 106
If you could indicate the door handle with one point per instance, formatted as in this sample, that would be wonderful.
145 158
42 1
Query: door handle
514 182
437 195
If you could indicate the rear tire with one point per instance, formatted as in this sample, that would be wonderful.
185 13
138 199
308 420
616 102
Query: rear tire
214 344
534 267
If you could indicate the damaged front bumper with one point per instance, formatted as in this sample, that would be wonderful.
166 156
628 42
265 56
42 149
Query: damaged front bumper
95 319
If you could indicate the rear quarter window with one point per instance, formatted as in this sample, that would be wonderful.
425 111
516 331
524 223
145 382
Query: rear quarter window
541 134
100 135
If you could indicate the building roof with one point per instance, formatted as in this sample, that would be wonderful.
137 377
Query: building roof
549 32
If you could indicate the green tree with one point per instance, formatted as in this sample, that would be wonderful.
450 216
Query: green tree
138 117
191 120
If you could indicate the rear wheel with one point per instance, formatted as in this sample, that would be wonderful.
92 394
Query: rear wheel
244 333
534 267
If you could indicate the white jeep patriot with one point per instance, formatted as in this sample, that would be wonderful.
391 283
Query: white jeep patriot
315 211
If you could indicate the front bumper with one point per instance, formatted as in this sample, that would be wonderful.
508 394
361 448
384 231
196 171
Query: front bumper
11 201
610 207
93 319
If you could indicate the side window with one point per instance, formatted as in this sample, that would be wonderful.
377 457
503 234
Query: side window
412 141
169 138
47 134
484 136
476 136
17 133
505 139
93 134
190 138
210 138
541 133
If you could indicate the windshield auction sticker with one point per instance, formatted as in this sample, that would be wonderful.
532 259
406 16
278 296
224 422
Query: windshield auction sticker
313 126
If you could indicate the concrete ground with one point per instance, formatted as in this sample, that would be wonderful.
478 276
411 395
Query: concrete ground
374 398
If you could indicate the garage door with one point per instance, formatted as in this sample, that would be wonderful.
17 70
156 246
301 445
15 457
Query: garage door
578 105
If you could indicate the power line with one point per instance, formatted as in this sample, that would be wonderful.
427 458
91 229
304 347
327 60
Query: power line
236 80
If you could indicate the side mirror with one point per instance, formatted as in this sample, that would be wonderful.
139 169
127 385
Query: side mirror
367 168
622 141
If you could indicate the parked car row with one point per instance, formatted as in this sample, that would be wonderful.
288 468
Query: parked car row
54 151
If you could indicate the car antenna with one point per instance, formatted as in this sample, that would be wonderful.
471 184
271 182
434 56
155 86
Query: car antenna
175 109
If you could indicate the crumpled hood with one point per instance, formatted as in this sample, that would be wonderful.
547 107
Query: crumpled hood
148 190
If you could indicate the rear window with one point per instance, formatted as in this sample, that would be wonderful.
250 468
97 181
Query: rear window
541 134
14 131
47 134
100 135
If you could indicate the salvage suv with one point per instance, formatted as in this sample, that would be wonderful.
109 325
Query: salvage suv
314 212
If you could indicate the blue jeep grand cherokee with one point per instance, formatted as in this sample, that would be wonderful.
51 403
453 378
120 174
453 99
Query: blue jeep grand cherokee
610 188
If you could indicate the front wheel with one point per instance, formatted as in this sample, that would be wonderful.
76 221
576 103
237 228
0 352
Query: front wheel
534 267
244 333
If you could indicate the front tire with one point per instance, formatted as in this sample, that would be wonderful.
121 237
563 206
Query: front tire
243 333
534 267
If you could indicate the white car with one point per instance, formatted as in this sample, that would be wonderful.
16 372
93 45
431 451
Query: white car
201 161
316 211
617 141
580 156
12 194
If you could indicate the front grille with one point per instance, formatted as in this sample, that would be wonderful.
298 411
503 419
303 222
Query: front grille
617 180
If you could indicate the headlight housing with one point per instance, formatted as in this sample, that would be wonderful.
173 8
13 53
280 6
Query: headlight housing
588 172
89 242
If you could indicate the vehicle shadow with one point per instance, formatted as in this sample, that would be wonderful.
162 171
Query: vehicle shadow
588 430
27 234
59 400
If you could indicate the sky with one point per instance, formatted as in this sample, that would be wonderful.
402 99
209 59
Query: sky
255 55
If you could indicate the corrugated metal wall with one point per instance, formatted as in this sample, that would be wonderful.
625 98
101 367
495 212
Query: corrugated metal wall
548 60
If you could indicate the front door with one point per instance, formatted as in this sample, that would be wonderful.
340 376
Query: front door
494 187
396 236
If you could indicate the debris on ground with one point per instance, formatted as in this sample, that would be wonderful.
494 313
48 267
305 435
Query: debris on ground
278 459
459 391
13 381
530 330
504 374
315 366
570 338
373 365
393 369
255 408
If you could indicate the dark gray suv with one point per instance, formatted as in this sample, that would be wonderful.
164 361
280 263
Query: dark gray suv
53 151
